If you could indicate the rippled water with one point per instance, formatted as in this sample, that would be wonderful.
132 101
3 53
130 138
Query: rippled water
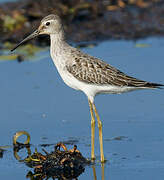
34 98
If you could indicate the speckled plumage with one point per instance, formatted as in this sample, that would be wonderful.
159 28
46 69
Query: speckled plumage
92 70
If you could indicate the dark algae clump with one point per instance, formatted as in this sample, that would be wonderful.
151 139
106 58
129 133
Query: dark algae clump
61 163
67 163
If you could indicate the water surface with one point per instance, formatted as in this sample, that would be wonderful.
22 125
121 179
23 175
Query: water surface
34 98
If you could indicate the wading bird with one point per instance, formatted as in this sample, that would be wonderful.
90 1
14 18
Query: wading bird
84 72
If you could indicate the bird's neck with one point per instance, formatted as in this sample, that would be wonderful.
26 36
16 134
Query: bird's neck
58 49
57 42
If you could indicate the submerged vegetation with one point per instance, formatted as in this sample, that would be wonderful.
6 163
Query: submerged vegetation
25 52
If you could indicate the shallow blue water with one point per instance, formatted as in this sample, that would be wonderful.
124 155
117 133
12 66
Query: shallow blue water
34 98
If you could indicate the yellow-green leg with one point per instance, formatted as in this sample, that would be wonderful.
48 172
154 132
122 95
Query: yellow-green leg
100 134
92 131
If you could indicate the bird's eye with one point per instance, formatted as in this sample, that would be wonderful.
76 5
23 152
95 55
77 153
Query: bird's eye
47 23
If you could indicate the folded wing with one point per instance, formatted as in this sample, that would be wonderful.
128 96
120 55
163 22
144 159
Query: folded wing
95 71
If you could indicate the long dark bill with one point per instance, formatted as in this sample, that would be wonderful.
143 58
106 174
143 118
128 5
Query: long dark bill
31 36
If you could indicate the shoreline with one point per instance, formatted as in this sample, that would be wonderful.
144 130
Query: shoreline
84 21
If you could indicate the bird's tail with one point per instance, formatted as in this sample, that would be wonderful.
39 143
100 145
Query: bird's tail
154 85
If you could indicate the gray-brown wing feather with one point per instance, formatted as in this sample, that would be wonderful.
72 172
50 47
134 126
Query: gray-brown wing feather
95 71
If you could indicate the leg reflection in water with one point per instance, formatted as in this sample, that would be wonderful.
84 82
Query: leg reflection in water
102 172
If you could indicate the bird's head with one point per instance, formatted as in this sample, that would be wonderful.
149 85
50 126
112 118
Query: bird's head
51 24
